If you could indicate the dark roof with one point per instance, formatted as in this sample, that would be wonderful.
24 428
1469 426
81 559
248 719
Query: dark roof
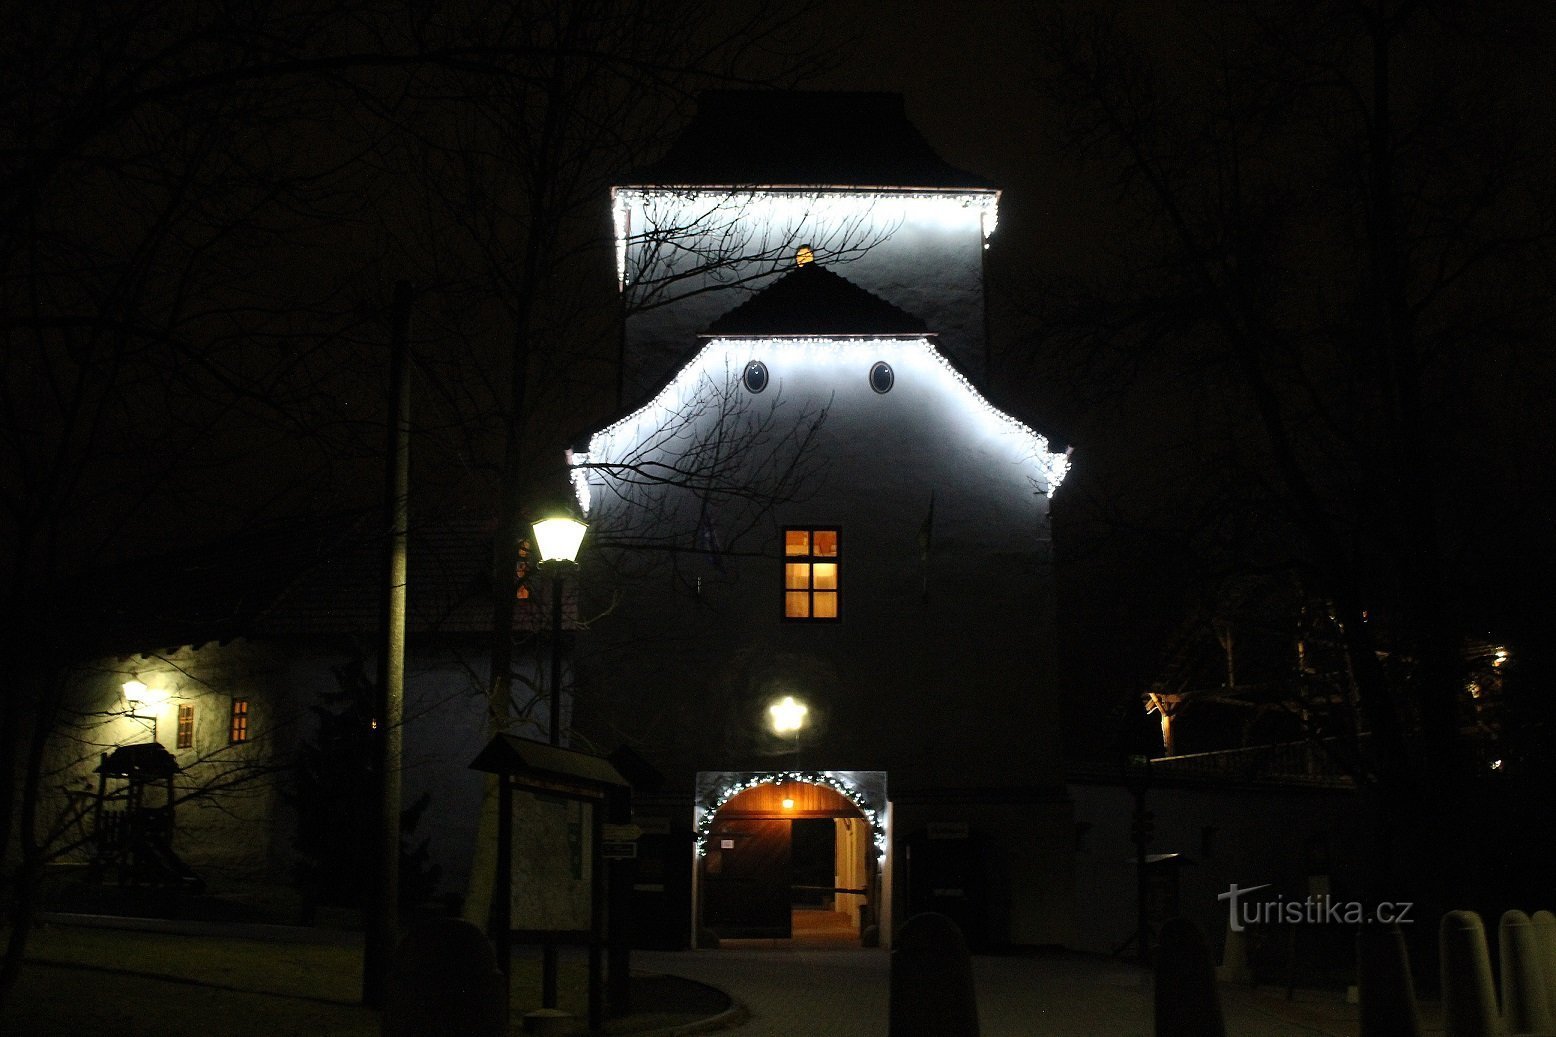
812 300
313 576
809 138
145 760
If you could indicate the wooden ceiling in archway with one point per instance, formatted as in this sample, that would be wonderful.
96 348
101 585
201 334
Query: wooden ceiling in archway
809 801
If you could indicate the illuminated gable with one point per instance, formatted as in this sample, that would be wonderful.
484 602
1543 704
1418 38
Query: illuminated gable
829 359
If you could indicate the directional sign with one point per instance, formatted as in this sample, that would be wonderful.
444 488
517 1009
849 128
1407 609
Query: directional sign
619 833
619 851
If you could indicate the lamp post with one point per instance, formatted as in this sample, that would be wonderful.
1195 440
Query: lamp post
135 696
557 540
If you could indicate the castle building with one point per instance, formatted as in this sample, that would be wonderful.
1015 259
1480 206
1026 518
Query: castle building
819 556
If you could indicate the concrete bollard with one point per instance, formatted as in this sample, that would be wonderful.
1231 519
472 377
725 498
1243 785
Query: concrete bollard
1187 1004
445 983
932 991
1469 997
1545 939
1234 959
1385 991
1525 1004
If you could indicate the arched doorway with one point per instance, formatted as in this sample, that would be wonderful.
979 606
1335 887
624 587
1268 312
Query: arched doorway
790 856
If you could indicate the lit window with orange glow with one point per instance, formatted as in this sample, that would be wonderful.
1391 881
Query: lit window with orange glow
521 573
812 559
238 730
804 256
186 727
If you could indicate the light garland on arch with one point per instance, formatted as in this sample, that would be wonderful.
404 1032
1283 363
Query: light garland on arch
824 778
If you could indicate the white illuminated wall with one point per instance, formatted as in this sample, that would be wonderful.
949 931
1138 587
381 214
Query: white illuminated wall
940 673
964 672
687 256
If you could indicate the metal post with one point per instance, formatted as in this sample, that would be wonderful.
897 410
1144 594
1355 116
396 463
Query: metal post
1142 887
502 889
384 910
556 653
597 868
549 958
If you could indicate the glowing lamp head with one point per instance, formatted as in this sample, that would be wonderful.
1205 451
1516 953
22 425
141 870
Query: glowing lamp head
134 693
557 539
804 255
788 803
788 715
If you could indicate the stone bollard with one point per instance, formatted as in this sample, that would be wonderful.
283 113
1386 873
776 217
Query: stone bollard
1234 959
1525 1004
1385 991
1469 997
1187 1004
1545 939
445 983
931 981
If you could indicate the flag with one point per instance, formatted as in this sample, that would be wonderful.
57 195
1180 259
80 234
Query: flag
926 532
926 539
707 539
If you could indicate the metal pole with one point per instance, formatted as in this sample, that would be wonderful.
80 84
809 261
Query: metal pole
383 922
556 653
1142 889
549 958
596 917
502 889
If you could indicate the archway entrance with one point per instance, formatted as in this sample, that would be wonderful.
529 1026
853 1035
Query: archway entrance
789 856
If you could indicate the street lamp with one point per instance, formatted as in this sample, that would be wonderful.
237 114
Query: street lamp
788 715
557 539
136 695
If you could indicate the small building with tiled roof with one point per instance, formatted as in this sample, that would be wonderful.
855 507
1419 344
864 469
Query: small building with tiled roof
823 557
232 656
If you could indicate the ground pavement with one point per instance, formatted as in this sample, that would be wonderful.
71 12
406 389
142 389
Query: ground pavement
799 991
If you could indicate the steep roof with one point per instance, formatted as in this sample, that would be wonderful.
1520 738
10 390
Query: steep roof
803 138
305 577
812 300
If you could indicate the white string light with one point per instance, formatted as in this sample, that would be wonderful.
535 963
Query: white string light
722 355
826 778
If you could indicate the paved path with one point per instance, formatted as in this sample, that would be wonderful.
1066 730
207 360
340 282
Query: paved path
805 992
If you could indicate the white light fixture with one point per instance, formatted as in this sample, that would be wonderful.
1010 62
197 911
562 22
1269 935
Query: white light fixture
557 539
134 693
788 714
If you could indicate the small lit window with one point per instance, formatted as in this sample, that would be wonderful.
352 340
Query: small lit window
186 727
755 376
521 573
811 561
238 730
881 377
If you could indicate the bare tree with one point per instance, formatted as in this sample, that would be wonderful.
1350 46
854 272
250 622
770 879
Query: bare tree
1330 235
202 209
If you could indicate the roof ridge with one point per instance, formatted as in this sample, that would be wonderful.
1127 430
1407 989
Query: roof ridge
813 300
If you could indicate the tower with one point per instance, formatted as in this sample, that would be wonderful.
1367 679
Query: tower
809 510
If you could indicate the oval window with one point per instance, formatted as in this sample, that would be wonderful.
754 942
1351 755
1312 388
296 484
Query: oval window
881 377
755 376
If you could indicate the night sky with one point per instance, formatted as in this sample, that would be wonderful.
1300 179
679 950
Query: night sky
1147 523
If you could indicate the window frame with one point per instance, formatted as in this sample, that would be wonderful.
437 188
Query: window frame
811 559
238 722
184 736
